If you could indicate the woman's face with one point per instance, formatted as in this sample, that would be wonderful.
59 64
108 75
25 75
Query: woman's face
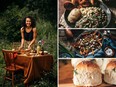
28 22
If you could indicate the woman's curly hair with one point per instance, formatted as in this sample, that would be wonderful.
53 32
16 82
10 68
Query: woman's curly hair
33 24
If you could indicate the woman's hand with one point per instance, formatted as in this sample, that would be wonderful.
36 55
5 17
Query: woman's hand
20 48
29 47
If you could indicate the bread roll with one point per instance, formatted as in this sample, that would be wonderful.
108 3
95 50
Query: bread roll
74 15
87 73
99 62
76 61
110 73
105 63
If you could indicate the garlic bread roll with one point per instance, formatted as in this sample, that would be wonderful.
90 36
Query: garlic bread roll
87 73
110 73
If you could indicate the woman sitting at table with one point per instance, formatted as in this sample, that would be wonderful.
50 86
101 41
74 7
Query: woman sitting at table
28 33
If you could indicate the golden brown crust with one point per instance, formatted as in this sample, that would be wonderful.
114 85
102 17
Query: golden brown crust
87 65
111 65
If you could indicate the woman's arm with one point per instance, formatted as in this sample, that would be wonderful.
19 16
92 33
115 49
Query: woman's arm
34 38
22 38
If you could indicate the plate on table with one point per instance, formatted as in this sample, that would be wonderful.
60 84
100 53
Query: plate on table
45 52
30 54
64 19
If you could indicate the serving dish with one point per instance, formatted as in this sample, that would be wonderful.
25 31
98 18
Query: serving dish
65 23
88 43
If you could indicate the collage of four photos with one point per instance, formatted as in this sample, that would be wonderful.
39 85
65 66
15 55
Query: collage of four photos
57 43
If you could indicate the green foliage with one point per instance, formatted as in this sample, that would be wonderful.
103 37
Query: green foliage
48 80
47 32
46 8
10 22
4 45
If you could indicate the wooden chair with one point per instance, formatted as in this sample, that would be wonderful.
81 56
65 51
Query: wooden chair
16 45
11 68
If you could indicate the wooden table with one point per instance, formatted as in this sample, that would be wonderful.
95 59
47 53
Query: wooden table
34 66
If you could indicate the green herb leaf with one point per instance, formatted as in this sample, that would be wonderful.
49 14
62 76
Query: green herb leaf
93 60
75 72
114 69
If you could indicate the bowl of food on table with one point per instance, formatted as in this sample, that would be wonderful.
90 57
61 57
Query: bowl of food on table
85 14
